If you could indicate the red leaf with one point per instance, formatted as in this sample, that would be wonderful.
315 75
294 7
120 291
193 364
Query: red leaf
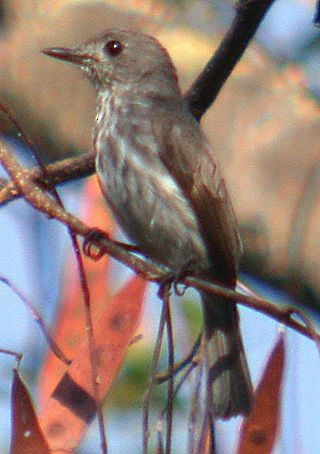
26 435
258 432
70 326
72 404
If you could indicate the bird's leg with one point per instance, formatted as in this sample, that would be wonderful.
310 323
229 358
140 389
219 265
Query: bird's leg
94 252
174 277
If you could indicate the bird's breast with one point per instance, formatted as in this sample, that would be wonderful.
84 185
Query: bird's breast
144 197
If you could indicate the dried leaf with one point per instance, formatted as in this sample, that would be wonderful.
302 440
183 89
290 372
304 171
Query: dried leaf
258 432
26 435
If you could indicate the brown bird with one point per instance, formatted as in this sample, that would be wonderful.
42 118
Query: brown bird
162 182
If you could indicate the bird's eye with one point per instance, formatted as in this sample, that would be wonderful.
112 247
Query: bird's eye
113 48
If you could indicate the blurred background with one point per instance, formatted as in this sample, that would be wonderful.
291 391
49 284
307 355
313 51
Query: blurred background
264 127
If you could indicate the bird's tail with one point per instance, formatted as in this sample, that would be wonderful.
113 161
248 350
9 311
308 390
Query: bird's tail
228 373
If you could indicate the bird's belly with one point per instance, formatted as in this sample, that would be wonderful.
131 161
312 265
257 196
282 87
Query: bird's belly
153 212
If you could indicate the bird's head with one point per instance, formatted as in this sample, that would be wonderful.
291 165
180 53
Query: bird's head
122 57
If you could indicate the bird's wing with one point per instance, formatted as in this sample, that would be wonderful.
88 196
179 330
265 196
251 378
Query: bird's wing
190 161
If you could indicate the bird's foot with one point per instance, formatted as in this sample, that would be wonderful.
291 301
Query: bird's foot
89 246
93 251
173 280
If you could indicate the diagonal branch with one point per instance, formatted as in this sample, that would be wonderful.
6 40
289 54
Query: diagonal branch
42 202
83 279
58 172
249 14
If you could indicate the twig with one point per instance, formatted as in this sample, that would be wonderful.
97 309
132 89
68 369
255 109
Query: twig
316 18
84 284
17 356
182 380
42 202
249 14
195 412
203 92
190 366
282 314
305 319
51 342
206 438
147 399
170 396
160 378
186 374
36 197
91 343
58 172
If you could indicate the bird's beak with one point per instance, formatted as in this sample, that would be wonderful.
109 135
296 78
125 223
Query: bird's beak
69 55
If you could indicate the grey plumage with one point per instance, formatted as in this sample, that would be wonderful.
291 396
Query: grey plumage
163 184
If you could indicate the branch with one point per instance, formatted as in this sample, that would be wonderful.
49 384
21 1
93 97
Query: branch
84 283
249 14
36 197
316 19
57 173
37 317
203 92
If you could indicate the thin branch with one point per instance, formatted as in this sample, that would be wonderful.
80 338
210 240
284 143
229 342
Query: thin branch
203 92
170 395
42 202
190 366
282 314
164 376
58 172
29 183
91 342
249 14
83 279
316 18
185 375
37 317
37 198
17 356
305 319
147 399
206 438
195 409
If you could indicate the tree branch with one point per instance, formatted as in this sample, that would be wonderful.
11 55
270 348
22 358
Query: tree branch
30 183
249 14
57 173
203 92
36 197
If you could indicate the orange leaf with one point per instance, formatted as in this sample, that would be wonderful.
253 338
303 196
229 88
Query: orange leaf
72 404
70 327
258 432
26 435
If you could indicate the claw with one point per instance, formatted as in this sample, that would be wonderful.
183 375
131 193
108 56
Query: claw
89 247
172 280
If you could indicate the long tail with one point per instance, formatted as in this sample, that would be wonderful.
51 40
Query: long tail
229 375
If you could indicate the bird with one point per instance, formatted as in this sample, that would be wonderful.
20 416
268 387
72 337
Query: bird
163 183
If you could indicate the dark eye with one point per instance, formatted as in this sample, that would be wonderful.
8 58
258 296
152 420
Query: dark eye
113 48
